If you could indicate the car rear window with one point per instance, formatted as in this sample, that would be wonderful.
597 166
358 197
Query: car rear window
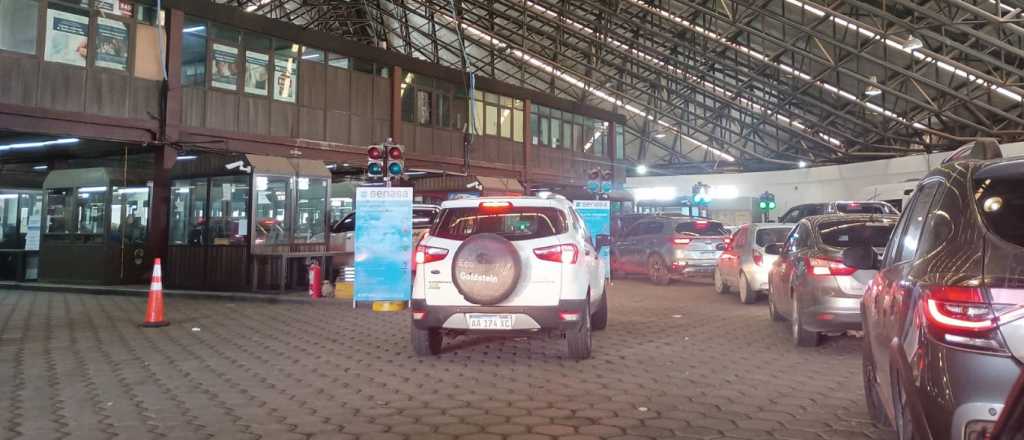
423 218
517 223
864 208
767 236
1001 204
702 227
844 234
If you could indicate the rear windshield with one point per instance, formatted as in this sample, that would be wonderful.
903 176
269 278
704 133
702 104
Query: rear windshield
703 228
518 223
842 234
765 237
423 218
1001 203
864 208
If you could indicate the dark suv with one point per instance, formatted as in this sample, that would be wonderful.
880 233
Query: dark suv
943 327
800 212
666 247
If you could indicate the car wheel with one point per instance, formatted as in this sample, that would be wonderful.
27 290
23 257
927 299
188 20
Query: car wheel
578 339
427 342
871 396
802 337
599 320
772 311
904 423
720 286
747 295
657 270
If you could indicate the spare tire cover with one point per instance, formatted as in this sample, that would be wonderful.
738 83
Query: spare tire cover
486 268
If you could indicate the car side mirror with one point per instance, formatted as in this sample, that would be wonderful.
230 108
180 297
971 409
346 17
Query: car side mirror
773 249
603 240
861 257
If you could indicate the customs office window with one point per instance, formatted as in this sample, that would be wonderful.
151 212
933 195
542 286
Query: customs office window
19 20
408 93
67 35
517 121
534 128
444 114
339 61
188 212
491 120
193 52
424 100
229 209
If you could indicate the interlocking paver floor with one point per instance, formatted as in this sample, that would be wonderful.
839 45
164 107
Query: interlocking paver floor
675 362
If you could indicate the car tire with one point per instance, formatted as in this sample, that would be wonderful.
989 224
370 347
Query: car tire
578 339
427 342
904 423
871 397
747 295
801 336
773 312
657 271
720 286
599 320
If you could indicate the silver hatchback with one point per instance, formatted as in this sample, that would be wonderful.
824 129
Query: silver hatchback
744 265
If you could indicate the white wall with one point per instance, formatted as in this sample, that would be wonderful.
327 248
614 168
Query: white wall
807 185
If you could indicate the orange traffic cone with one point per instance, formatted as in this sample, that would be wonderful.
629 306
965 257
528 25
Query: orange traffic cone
155 305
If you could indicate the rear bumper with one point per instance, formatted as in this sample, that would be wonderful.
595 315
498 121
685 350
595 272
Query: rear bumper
528 318
694 268
832 314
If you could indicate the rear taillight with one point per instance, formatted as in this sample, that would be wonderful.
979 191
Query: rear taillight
824 266
427 254
962 316
681 241
559 253
758 258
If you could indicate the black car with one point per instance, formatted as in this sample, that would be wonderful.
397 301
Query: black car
944 317
800 212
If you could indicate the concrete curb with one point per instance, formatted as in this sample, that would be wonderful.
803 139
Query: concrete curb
191 294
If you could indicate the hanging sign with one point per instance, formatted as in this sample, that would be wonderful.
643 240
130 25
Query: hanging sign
596 215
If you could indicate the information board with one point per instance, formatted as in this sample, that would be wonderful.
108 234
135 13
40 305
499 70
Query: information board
596 215
383 244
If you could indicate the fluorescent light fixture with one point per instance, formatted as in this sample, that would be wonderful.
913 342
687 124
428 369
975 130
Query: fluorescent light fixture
802 164
8 196
182 190
332 166
641 169
654 193
415 173
873 89
659 135
40 167
38 144
132 190
193 29
346 165
92 189
913 44
311 56
187 157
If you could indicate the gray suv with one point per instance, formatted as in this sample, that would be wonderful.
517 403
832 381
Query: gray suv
665 247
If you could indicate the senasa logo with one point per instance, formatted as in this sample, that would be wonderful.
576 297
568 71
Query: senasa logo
480 278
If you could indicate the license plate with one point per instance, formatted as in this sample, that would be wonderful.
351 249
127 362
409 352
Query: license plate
479 321
703 269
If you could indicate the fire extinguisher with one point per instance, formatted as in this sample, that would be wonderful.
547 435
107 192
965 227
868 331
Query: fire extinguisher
315 279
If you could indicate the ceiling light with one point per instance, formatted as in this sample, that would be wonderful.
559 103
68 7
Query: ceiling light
659 135
913 44
332 166
873 89
187 157
38 144
346 165
40 167
641 169
802 164
193 29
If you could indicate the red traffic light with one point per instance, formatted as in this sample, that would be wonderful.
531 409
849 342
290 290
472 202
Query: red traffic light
394 153
374 152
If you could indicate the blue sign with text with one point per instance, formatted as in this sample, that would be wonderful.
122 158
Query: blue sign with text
596 215
383 248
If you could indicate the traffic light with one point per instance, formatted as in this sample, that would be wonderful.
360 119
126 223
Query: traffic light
375 162
606 180
395 160
766 201
701 194
593 180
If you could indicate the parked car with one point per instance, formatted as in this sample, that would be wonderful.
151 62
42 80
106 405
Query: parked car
667 247
944 317
343 232
810 286
799 212
509 266
744 265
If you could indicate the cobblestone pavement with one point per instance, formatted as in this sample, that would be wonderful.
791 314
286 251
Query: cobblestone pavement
675 362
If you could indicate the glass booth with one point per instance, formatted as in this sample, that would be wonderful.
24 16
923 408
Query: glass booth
19 234
245 227
95 222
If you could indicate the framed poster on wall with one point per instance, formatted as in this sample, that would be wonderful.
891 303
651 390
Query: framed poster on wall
111 44
67 37
225 67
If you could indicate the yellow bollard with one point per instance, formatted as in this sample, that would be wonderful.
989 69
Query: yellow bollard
388 306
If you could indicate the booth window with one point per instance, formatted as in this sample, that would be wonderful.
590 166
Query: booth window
312 55
67 35
270 210
129 214
18 23
517 121
286 71
58 211
10 237
188 212
193 52
31 207
90 208
310 210
229 206
339 61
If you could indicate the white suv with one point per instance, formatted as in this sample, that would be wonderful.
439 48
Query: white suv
508 265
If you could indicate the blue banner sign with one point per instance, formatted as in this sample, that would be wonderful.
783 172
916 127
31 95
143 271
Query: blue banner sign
383 248
596 215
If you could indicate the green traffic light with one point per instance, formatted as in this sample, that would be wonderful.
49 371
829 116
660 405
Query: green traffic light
763 205
771 205
374 169
395 168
